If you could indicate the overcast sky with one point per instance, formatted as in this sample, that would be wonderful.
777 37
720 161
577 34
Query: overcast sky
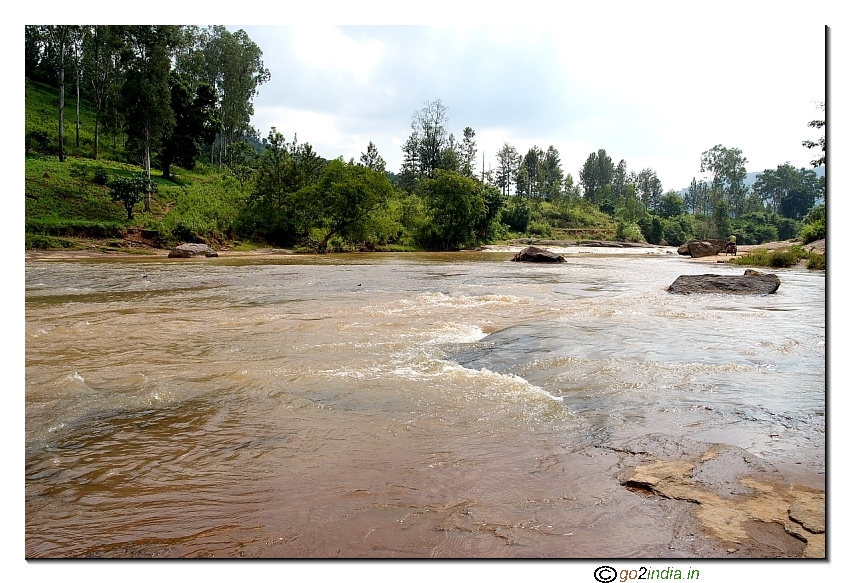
653 91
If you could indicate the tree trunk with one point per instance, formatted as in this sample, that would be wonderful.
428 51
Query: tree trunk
62 94
77 143
147 163
96 129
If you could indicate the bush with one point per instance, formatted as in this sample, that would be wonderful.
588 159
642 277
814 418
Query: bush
813 232
39 141
540 229
816 261
627 231
101 176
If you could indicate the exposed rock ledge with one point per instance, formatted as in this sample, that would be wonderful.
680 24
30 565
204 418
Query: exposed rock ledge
739 499
751 283
538 255
188 250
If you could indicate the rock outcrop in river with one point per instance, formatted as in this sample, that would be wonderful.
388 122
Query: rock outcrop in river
538 255
751 283
704 248
188 250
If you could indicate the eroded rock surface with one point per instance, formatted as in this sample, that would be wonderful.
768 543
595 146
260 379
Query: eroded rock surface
741 500
752 282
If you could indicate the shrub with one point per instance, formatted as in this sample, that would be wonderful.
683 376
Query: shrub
813 231
101 176
540 229
627 231
816 261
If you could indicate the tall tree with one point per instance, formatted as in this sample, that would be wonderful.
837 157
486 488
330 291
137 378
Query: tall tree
411 167
56 40
233 64
193 115
146 97
727 167
429 125
597 172
696 197
551 174
618 182
372 160
101 61
649 189
468 151
508 159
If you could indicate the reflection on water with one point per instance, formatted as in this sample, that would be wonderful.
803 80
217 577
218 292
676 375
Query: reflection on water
392 405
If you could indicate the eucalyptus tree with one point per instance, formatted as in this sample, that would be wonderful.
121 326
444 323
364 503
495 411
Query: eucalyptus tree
619 181
508 160
233 64
101 62
146 96
551 174
49 46
597 172
429 128
649 188
697 197
727 167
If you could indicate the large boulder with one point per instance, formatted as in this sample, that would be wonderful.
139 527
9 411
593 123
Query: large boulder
704 248
751 283
538 255
189 250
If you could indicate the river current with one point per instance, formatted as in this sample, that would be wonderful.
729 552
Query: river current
395 405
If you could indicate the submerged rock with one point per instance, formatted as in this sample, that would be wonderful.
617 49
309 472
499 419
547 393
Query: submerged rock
538 255
188 250
751 283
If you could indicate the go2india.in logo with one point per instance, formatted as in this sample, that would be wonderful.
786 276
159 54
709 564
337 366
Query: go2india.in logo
607 574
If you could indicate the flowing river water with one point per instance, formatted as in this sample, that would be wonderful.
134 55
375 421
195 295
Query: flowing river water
398 405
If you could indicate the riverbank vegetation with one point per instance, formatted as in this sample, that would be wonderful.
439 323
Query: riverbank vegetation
784 257
144 131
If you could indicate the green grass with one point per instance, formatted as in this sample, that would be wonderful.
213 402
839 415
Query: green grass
786 257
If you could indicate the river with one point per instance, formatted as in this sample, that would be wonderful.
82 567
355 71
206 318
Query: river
397 405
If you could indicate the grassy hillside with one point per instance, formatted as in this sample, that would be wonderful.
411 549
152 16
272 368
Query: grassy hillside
71 199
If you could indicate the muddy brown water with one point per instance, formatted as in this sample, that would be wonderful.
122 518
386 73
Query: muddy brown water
397 405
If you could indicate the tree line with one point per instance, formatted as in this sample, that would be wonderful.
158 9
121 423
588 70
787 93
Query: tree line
180 95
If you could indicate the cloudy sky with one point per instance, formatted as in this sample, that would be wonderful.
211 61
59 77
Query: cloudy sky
653 91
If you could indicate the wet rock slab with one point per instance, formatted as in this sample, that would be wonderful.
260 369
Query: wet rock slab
739 499
752 282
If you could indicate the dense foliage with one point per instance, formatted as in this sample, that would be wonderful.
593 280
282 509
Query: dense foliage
161 116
